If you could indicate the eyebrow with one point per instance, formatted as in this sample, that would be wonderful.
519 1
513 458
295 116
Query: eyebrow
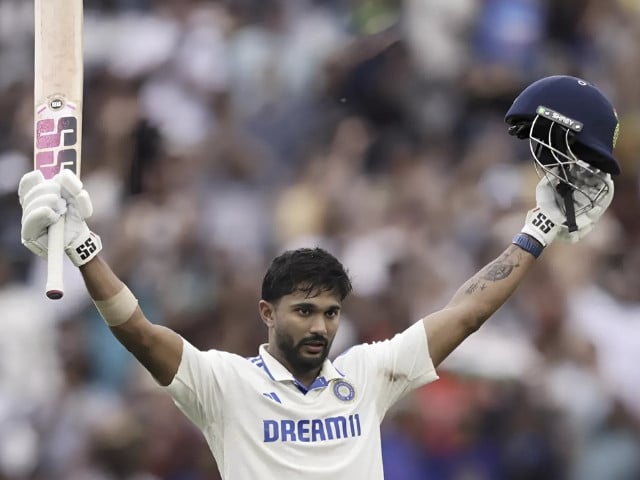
312 306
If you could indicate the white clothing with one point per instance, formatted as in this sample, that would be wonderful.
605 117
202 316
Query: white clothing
260 423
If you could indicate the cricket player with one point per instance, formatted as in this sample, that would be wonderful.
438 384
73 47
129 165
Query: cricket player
290 412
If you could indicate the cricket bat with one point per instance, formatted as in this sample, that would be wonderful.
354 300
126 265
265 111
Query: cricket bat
58 83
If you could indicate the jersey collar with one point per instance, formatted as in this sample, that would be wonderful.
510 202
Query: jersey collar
279 373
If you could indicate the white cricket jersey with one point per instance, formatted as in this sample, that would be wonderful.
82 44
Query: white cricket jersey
260 423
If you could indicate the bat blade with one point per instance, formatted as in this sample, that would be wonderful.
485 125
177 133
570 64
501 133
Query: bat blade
58 84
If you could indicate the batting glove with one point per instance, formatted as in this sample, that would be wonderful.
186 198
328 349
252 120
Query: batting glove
587 220
544 222
44 202
547 222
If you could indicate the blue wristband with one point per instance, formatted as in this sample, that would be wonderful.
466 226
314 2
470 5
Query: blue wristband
528 244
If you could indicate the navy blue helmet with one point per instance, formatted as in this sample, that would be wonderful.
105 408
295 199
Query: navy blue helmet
579 108
572 130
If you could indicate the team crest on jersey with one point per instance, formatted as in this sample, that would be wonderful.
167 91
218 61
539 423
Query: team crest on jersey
344 391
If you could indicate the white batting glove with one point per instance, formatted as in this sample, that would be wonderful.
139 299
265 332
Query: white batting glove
547 222
42 205
587 220
44 202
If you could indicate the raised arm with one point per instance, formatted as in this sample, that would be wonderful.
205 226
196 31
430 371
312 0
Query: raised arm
44 202
475 301
480 296
157 348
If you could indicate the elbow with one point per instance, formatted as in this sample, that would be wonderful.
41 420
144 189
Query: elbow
471 325
474 318
136 335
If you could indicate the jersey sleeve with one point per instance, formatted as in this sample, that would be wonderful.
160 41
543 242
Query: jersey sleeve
196 388
393 367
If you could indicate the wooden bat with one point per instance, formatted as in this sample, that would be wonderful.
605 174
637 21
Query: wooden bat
58 83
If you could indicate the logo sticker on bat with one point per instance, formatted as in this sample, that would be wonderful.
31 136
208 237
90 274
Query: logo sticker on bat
56 139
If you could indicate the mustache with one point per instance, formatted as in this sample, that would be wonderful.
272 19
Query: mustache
314 339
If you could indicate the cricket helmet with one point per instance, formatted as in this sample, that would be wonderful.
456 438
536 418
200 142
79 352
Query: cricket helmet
572 130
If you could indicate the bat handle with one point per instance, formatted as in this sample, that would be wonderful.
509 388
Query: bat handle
54 260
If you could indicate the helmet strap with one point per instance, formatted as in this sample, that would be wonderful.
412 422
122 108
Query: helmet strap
566 192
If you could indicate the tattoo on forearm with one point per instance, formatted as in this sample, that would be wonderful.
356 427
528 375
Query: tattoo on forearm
472 288
475 285
500 269
497 271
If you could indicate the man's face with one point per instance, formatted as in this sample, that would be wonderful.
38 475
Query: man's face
303 328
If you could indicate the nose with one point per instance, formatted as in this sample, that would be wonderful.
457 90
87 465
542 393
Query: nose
318 325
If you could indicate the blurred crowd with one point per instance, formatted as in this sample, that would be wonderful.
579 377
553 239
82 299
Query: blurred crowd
219 133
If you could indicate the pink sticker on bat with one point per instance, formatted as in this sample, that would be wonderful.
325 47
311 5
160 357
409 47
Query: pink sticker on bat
56 138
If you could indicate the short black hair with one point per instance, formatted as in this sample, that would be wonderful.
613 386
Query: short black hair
310 270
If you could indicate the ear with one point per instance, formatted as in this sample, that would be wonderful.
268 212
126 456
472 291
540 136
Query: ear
267 311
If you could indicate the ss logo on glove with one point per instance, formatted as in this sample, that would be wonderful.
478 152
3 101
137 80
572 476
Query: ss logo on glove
543 223
86 249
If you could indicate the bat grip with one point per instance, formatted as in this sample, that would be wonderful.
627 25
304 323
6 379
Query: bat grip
54 260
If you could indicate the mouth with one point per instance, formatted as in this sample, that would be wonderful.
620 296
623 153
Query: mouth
314 347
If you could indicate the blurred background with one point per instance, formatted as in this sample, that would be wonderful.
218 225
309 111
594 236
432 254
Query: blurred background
219 133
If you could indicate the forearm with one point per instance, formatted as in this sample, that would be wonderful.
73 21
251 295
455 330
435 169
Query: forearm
475 301
488 289
116 304
100 280
156 347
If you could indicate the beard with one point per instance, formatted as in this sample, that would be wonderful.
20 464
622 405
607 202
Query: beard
293 355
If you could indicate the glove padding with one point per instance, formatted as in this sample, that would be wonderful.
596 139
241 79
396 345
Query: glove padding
588 219
547 222
44 202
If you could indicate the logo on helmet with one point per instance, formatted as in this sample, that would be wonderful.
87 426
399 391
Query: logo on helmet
574 125
616 132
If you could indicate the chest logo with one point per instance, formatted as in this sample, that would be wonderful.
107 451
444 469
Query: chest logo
344 391
273 396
